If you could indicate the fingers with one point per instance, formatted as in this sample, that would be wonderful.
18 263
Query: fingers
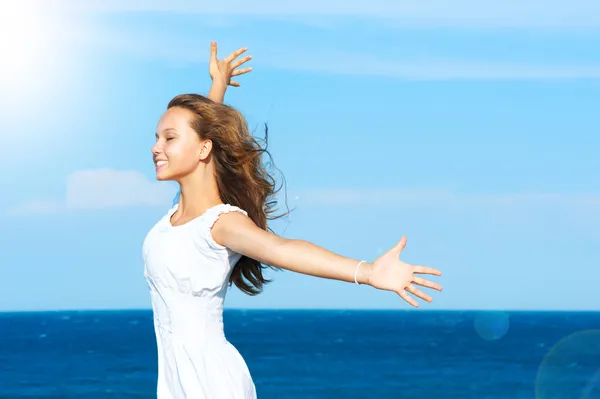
241 71
426 270
213 51
426 283
235 54
400 245
241 61
234 83
408 299
417 292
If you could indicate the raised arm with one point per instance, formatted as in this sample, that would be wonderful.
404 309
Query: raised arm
221 71
388 272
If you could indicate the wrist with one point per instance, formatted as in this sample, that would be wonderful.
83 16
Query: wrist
217 91
220 81
363 273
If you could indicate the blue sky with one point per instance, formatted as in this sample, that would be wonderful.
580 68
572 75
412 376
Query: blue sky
471 130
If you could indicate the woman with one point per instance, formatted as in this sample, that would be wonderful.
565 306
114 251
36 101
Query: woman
217 235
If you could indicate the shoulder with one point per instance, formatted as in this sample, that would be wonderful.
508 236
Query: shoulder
232 226
240 234
224 219
212 221
224 214
227 218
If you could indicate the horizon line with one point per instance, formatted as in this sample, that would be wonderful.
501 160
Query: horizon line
90 310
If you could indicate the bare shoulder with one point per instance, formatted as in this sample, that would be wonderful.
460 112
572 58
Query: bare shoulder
231 220
230 224
238 232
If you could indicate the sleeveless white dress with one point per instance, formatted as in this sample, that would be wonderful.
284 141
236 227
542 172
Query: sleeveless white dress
188 273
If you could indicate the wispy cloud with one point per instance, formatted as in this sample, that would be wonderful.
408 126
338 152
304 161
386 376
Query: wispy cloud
175 46
37 207
100 189
348 64
367 197
96 189
476 13
172 49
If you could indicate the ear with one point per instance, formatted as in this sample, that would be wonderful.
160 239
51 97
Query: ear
205 148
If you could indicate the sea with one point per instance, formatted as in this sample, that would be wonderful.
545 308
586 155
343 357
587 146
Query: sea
317 354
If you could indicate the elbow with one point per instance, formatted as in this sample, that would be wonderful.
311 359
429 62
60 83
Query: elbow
283 251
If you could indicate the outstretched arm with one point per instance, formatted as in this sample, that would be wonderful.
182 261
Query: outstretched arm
221 71
240 234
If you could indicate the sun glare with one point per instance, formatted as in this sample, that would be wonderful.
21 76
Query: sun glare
35 70
28 38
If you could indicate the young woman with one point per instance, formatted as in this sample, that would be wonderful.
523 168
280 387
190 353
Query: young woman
217 235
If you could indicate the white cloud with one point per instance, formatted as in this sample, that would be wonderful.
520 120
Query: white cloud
476 13
101 189
36 207
107 188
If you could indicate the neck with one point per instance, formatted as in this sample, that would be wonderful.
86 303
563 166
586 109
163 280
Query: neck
199 191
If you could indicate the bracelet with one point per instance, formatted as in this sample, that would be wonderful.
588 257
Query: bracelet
356 271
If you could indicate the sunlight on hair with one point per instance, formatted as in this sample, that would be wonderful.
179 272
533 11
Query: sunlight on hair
571 368
491 326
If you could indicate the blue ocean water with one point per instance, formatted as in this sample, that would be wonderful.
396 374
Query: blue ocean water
317 354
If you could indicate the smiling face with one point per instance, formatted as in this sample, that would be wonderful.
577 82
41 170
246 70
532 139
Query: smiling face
178 149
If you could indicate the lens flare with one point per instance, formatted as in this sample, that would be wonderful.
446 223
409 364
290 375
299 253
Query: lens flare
571 369
491 325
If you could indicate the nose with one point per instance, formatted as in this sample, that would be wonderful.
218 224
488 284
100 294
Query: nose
156 149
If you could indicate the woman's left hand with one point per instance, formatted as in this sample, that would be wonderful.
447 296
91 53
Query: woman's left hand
388 272
223 70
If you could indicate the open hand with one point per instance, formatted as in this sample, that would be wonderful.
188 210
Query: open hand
388 272
223 70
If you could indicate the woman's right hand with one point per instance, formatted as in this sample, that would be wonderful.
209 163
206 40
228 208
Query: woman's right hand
221 71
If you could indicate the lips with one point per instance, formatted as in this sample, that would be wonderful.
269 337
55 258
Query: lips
160 164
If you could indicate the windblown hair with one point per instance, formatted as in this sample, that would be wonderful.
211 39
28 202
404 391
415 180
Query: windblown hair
242 179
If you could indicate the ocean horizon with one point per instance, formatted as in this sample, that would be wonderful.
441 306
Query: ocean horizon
316 353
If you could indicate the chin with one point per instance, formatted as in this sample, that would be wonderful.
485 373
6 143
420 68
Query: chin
162 176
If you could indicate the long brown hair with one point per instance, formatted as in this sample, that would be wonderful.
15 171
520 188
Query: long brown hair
242 179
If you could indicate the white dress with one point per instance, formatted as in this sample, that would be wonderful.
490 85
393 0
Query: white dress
188 273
